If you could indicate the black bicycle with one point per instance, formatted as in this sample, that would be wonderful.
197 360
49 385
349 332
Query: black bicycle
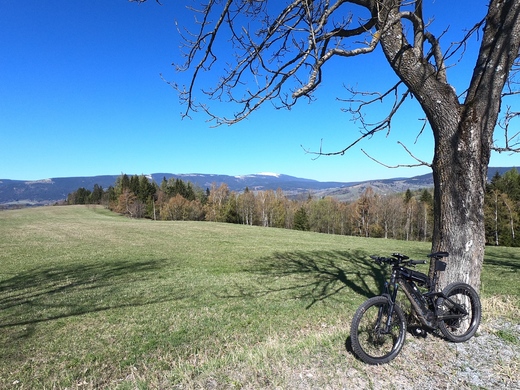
379 325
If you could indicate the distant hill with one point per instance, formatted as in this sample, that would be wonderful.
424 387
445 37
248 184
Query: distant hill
49 191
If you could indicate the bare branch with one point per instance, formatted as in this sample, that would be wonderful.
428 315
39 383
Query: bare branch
312 84
143 1
420 164
512 86
425 122
368 129
272 51
187 95
511 142
385 123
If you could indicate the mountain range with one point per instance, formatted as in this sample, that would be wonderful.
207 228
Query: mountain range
50 191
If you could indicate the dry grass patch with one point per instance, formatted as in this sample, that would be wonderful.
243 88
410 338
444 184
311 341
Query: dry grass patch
501 306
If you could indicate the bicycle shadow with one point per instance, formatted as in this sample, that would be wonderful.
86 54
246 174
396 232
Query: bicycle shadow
315 276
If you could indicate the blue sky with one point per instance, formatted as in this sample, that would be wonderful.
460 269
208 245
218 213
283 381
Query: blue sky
81 95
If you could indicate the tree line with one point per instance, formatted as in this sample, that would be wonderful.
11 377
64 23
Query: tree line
502 209
404 216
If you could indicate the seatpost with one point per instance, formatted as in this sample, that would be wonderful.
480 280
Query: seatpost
433 286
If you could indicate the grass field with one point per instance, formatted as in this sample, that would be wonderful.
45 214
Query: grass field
90 299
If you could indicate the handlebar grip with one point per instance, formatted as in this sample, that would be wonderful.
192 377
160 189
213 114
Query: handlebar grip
415 262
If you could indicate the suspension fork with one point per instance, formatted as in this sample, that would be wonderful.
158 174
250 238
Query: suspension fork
390 292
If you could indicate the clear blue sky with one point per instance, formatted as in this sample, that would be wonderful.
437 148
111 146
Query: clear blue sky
81 95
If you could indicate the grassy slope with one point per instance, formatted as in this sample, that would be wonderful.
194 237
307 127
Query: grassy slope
91 299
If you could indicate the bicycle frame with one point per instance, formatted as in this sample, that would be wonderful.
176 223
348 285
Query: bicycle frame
421 302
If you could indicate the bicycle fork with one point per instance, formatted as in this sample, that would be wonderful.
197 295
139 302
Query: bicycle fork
391 296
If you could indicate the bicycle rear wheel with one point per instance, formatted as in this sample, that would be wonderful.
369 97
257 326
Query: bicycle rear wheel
463 328
371 341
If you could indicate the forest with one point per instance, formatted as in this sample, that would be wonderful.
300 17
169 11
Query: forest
405 216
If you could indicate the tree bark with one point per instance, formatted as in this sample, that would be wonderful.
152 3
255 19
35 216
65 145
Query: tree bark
459 172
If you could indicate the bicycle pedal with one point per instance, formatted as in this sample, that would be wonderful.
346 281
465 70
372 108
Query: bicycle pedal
418 332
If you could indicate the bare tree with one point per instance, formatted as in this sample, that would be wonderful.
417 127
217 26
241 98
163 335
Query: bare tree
217 202
279 51
246 207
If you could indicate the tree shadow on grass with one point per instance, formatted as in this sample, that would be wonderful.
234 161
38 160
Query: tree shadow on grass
316 275
508 260
45 294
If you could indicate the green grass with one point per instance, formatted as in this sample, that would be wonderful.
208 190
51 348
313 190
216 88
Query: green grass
508 336
89 299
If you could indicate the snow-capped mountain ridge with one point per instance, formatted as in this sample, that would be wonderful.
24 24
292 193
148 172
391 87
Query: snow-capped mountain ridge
52 190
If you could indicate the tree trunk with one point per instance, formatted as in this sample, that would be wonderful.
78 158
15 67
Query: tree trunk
460 172
496 217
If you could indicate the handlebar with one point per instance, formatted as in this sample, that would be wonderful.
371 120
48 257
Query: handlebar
396 259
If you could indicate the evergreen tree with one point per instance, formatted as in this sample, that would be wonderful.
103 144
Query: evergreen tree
301 220
97 194
81 196
125 183
146 189
134 184
231 211
190 192
164 185
111 195
511 184
408 196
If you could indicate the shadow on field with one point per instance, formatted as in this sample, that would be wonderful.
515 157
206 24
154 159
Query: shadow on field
508 261
44 294
318 275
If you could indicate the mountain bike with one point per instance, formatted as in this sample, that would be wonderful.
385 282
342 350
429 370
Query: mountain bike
379 326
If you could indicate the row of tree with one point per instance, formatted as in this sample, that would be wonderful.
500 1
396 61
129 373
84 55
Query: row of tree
502 209
407 216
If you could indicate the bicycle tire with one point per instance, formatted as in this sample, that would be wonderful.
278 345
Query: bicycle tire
460 330
368 340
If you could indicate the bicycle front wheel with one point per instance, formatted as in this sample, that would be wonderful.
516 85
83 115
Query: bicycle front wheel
372 340
463 305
